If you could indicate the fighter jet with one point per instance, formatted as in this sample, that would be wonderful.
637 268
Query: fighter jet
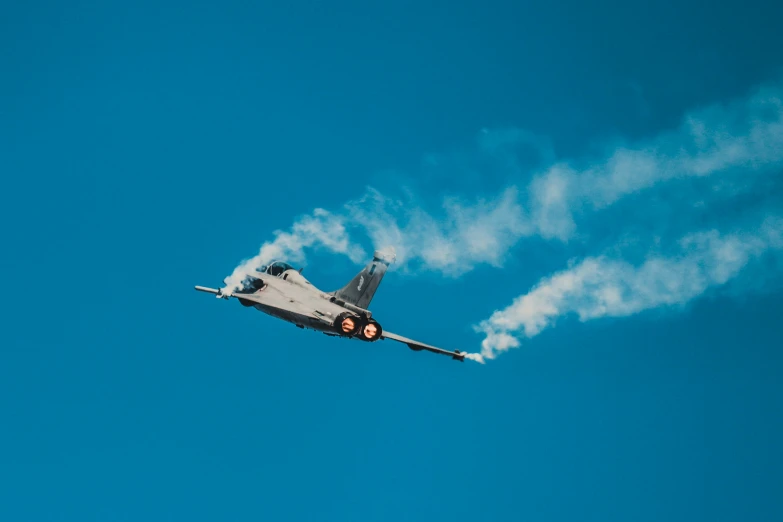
281 291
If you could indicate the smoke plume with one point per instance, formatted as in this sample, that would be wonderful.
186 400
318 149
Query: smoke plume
718 155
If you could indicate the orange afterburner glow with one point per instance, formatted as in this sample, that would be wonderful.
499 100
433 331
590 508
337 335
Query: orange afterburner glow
370 331
348 325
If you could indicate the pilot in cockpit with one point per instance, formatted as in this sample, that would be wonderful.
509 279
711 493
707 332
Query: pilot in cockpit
276 269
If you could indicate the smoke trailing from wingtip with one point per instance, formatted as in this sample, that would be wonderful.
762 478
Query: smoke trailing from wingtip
321 229
728 147
475 357
452 242
603 286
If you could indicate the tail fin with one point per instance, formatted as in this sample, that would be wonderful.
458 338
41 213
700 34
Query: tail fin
361 289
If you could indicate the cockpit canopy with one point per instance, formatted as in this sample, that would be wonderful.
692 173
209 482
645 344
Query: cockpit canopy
251 283
276 269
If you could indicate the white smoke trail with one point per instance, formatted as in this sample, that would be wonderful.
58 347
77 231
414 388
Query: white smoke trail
746 134
465 234
475 357
321 229
603 287
742 141
472 233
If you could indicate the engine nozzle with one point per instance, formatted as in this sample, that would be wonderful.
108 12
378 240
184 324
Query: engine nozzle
347 324
371 332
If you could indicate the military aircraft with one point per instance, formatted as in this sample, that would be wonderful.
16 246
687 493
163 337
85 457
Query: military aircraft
281 291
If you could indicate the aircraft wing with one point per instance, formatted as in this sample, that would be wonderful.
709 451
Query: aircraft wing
416 345
271 297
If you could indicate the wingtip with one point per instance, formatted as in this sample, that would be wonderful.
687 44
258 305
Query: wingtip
216 292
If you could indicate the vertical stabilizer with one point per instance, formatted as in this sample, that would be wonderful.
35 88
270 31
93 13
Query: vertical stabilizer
361 289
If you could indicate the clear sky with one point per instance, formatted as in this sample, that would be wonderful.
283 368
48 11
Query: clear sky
149 146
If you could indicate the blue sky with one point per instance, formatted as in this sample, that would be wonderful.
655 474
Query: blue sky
146 148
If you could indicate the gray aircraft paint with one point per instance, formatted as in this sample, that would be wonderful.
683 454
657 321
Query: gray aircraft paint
362 288
291 297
